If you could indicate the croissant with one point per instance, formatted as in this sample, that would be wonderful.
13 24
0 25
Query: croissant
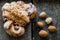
16 15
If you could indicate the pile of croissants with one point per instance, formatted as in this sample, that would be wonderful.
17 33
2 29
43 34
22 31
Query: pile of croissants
16 15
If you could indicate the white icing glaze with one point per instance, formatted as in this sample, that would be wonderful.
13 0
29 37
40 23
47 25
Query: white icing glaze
6 6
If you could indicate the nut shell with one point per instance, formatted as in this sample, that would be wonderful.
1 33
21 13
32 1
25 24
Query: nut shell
42 15
52 28
48 20
43 33
40 24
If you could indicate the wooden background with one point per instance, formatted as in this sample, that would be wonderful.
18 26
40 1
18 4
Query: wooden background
51 7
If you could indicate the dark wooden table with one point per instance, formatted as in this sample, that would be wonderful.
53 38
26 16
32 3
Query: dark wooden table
51 7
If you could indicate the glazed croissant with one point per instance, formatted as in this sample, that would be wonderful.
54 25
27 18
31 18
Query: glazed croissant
16 15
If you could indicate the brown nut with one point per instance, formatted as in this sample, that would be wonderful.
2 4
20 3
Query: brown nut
48 20
42 15
43 33
52 28
40 24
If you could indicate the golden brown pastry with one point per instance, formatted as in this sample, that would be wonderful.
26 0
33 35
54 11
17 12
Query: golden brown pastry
17 31
17 15
31 9
21 21
7 24
13 29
